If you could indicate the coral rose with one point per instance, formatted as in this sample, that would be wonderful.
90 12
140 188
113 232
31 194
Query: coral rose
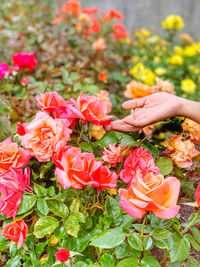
113 13
62 254
50 101
136 89
4 70
104 96
103 77
99 44
181 151
90 108
24 60
114 155
151 193
44 136
119 31
13 183
71 7
138 159
16 232
193 128
12 156
95 26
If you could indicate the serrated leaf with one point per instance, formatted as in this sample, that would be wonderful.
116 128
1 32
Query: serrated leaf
160 233
57 207
28 201
128 140
75 205
40 190
42 206
44 226
135 241
109 239
86 147
72 225
165 165
193 242
147 242
179 248
113 210
14 262
108 138
160 223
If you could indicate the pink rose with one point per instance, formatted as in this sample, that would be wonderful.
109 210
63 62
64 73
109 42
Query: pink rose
45 136
50 101
16 232
13 183
138 159
114 155
12 156
104 97
119 31
24 60
4 69
151 193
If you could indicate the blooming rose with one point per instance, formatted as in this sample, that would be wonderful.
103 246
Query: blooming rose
12 185
181 151
197 195
71 7
4 69
104 96
136 89
90 10
119 31
193 128
24 81
44 136
76 169
12 156
50 101
16 232
95 26
103 77
151 193
24 60
114 155
99 44
62 254
113 13
138 159
90 108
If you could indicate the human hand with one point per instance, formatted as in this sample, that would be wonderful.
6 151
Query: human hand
149 109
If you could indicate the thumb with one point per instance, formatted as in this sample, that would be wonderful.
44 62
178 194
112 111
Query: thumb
136 103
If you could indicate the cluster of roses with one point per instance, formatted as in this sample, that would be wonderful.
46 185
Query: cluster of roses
87 22
20 61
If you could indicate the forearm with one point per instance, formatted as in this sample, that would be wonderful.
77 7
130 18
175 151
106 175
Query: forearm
190 109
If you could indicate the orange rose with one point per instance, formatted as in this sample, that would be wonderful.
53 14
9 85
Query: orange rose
99 44
193 128
16 232
45 135
151 193
103 77
12 156
136 89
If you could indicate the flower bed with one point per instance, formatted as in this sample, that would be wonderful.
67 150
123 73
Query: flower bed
73 194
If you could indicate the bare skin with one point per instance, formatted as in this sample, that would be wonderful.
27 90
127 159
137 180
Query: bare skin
154 108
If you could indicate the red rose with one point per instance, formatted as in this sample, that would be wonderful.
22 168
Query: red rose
62 254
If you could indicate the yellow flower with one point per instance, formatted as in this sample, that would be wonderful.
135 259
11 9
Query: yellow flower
175 60
173 22
197 46
97 132
190 51
193 69
144 74
178 50
141 33
128 41
156 59
160 71
188 86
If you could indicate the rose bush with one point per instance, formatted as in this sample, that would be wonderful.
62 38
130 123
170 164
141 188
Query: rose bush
71 193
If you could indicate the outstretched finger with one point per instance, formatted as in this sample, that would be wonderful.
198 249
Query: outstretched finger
121 126
136 103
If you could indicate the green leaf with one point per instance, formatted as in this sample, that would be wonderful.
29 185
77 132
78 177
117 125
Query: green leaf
79 264
147 242
150 261
127 221
13 249
128 140
192 262
39 249
51 191
28 201
107 260
14 262
109 239
80 216
121 250
58 207
113 210
75 205
196 233
44 226
160 233
86 147
72 225
160 223
165 165
65 75
135 241
193 242
42 206
108 138
3 243
162 244
129 262
179 248
40 190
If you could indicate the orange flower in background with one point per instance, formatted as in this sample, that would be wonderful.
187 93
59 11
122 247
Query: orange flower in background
45 135
50 101
95 26
113 155
164 86
193 128
97 132
151 193
16 232
90 10
104 97
113 13
119 31
12 156
181 151
197 195
103 77
136 89
99 44
71 7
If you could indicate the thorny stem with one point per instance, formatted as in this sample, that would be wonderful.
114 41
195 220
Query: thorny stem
191 223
